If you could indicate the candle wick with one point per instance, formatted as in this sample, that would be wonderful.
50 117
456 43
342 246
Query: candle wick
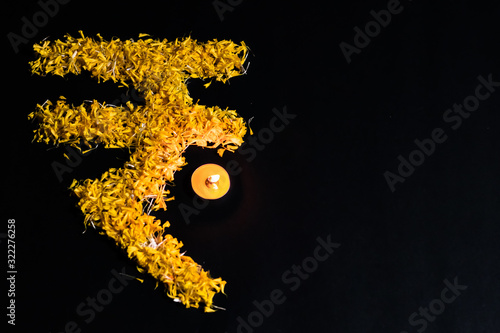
212 181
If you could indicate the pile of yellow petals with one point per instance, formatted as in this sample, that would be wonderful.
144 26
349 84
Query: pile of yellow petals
157 134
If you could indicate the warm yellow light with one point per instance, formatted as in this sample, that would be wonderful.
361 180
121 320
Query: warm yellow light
210 181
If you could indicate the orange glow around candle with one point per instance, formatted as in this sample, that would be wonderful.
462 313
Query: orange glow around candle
210 181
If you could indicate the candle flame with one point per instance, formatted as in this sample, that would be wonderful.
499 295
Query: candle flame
213 178
212 181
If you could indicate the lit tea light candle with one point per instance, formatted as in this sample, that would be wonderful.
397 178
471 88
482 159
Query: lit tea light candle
210 181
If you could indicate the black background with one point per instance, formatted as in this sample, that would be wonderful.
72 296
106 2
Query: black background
322 176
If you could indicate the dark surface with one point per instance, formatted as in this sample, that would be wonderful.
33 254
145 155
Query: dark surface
322 176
